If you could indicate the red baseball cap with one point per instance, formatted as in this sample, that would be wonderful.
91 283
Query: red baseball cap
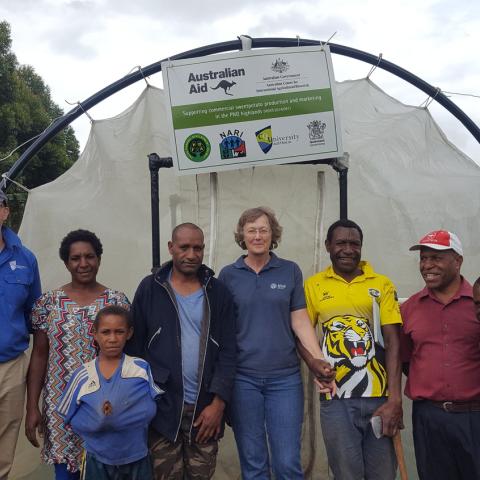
440 240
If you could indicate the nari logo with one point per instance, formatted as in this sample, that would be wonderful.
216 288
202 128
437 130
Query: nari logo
264 138
197 147
232 144
315 132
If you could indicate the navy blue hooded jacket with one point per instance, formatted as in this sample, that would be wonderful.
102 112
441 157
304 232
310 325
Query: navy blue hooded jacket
157 339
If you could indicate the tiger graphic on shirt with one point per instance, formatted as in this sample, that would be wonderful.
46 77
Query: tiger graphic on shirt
349 346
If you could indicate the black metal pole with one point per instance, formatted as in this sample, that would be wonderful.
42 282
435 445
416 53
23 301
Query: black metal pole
136 76
342 183
154 164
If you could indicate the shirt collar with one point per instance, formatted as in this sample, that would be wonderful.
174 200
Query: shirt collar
10 238
465 290
272 263
366 268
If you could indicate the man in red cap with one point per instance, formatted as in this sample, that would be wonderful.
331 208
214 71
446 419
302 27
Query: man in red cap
441 351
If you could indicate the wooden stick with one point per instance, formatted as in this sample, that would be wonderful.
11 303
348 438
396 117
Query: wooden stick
397 444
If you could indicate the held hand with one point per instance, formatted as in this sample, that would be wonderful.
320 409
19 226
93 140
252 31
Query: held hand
209 421
33 422
322 370
323 387
392 417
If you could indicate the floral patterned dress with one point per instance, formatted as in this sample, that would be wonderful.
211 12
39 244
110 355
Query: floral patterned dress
69 330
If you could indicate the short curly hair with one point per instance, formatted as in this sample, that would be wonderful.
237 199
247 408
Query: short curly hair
346 224
113 310
79 236
253 214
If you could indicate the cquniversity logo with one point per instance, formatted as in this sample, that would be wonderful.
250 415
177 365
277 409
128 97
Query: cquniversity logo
264 138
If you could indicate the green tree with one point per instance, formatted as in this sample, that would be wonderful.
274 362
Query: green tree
26 109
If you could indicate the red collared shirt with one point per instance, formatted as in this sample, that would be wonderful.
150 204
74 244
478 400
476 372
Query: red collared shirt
442 344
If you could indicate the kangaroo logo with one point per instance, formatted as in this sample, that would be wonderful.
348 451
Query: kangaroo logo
225 85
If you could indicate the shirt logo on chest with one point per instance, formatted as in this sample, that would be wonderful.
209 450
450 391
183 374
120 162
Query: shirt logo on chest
278 286
374 292
14 266
326 296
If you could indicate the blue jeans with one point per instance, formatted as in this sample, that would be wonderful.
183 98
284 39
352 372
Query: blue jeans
354 453
268 408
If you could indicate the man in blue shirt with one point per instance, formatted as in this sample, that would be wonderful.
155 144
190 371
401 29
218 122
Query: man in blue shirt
19 288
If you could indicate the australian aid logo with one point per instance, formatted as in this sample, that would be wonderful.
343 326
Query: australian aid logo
222 80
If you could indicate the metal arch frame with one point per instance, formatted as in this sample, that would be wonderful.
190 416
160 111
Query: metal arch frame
128 80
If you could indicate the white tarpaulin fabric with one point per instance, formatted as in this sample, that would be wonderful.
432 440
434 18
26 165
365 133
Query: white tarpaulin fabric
405 179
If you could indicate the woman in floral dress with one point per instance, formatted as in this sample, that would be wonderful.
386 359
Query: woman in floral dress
62 322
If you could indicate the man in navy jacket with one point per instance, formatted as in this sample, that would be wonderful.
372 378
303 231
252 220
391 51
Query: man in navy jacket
19 288
184 326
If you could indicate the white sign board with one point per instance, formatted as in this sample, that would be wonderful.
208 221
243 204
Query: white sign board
255 107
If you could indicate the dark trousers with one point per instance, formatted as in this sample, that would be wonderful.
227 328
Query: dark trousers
96 470
447 444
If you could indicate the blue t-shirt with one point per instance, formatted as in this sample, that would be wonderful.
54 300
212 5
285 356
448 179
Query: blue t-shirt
190 309
119 437
264 302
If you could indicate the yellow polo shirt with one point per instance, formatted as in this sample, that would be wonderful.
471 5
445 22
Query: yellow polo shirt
351 316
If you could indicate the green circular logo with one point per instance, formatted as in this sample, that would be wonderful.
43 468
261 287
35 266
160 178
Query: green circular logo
197 147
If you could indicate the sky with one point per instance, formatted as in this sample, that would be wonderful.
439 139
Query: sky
81 46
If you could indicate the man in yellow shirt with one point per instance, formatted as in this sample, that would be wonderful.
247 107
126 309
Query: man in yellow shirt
360 321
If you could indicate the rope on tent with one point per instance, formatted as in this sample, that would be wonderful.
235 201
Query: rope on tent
320 208
139 68
28 141
197 199
23 187
213 219
462 94
311 410
380 56
430 99
324 44
81 108
331 36
20 146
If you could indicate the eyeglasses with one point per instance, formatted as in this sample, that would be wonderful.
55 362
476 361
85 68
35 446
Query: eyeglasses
263 232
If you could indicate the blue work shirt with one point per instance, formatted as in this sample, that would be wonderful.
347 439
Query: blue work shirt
19 288
264 302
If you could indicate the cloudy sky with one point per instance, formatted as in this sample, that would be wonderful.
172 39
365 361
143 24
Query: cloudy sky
80 46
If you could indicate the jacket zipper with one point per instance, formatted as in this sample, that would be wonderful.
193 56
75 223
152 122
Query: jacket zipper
203 360
153 336
180 347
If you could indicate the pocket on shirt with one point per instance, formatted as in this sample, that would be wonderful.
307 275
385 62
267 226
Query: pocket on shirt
16 286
